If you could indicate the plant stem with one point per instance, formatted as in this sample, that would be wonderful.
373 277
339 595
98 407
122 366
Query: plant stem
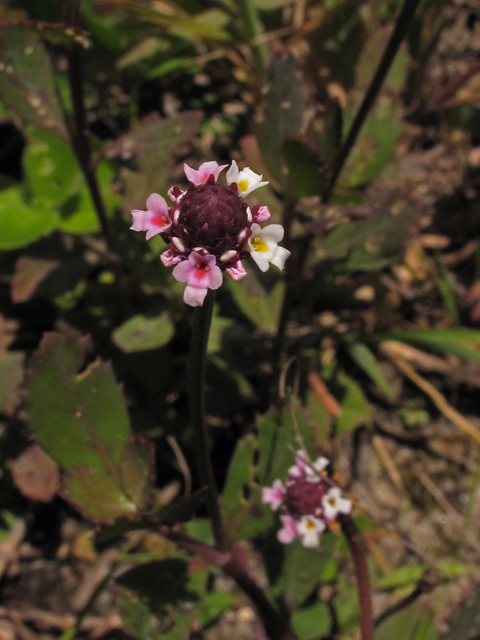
81 140
202 319
357 549
401 27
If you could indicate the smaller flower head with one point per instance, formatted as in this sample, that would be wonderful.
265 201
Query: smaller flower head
155 219
263 246
204 171
200 273
333 504
309 530
246 180
275 495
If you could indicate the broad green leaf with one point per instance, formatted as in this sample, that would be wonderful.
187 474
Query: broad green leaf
371 244
96 495
303 570
355 408
312 622
283 112
27 84
306 168
367 361
412 623
401 577
81 421
141 333
51 168
21 224
262 308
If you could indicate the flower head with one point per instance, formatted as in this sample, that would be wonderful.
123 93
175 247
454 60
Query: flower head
210 229
309 502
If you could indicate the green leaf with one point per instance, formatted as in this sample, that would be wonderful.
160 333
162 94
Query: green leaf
283 112
141 333
303 570
401 577
259 306
367 361
355 408
305 166
11 375
371 244
81 421
375 144
312 622
270 5
27 84
21 224
412 623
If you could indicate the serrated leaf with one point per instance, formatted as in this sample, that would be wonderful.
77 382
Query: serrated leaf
141 333
27 85
20 224
96 495
82 423
283 112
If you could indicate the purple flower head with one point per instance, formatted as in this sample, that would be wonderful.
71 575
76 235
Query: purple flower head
309 502
210 229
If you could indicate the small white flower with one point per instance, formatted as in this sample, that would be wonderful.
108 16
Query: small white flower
263 246
333 503
246 179
309 530
314 470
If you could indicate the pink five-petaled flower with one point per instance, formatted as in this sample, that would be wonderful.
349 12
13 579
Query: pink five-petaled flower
274 495
200 273
155 219
311 471
204 171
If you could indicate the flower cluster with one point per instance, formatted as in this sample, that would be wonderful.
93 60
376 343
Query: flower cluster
309 503
210 229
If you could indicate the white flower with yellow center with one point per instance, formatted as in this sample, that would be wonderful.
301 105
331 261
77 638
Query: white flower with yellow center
246 179
263 246
333 504
309 530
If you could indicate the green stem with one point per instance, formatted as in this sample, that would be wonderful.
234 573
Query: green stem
202 319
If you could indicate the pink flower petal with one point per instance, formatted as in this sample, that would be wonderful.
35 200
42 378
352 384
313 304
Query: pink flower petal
260 213
236 271
157 205
170 258
204 171
194 296
288 533
183 271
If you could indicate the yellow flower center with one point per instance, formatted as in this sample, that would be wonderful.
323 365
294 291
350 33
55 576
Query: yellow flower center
332 502
310 525
202 266
259 245
243 185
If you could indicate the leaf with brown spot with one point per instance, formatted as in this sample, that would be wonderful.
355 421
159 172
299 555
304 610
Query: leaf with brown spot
35 474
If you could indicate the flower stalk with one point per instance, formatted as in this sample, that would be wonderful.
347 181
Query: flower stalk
202 319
